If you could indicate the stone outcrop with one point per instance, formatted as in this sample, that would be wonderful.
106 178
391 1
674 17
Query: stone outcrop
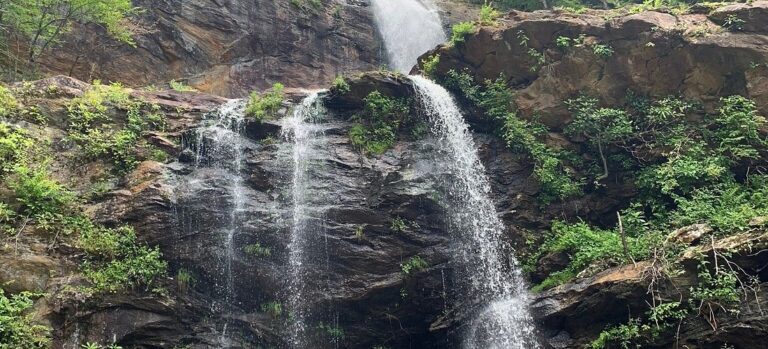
654 53
569 318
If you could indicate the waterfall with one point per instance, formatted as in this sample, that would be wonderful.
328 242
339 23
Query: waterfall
409 28
493 280
301 130
219 143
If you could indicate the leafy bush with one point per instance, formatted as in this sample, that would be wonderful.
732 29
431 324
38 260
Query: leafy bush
17 330
340 85
179 86
263 106
429 65
8 103
376 128
603 51
460 31
488 15
116 260
495 98
37 193
727 207
257 250
272 308
586 245
414 264
14 144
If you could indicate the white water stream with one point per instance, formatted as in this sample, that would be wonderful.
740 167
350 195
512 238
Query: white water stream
409 28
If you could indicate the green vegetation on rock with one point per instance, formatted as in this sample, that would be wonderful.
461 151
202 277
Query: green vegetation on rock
17 328
376 128
263 106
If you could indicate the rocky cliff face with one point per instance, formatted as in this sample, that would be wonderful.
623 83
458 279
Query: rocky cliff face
180 205
233 47
230 48
653 53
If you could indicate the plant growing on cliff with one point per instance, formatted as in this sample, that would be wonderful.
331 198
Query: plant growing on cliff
17 328
601 126
488 15
414 264
733 23
8 103
14 146
429 65
257 250
274 309
376 128
460 32
602 50
495 98
263 106
340 85
180 86
42 25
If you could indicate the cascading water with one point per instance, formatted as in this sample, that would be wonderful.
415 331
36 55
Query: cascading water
409 28
219 143
493 278
307 219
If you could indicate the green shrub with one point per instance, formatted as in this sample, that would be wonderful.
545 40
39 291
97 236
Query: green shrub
376 128
398 225
488 15
17 329
185 279
263 106
563 42
460 31
586 245
429 65
495 98
37 193
737 129
14 145
8 103
116 260
726 207
179 86
332 331
414 264
257 250
603 51
340 85
272 308
733 23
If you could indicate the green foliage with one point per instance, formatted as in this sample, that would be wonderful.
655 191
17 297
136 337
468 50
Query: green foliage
257 250
359 232
737 129
603 51
179 86
624 336
376 129
332 331
42 25
8 103
496 99
340 85
586 245
263 106
14 146
275 309
37 193
716 289
726 207
733 23
563 42
17 329
488 15
460 31
307 6
99 137
398 225
429 65
185 279
116 260
413 265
